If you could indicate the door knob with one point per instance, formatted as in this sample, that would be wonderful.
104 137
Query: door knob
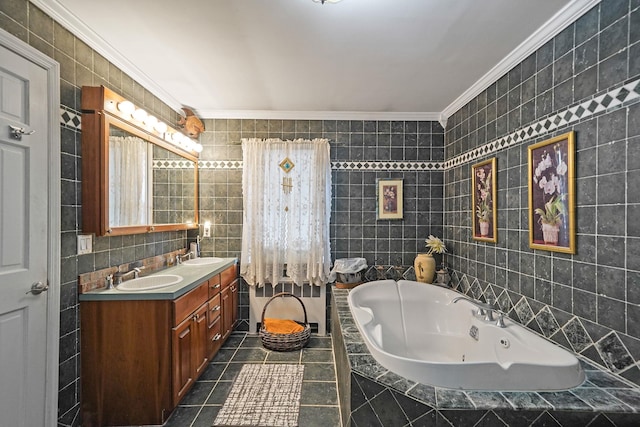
38 288
17 132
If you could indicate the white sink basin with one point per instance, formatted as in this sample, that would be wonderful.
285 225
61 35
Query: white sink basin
149 282
202 261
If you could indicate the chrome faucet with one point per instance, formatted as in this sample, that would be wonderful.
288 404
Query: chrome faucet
118 276
180 258
484 309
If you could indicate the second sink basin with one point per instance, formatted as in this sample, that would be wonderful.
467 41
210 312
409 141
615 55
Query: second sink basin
149 282
202 261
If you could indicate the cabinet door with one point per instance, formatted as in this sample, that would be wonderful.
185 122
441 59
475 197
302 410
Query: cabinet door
184 340
227 311
201 355
234 302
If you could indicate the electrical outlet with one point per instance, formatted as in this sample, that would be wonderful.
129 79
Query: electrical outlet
207 229
85 244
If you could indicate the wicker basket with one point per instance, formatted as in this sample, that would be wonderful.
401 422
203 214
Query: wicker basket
285 342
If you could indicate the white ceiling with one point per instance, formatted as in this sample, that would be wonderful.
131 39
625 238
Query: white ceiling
405 59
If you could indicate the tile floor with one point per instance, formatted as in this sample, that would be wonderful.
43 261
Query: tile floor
319 399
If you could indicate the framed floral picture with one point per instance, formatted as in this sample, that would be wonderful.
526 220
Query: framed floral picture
390 199
484 201
551 194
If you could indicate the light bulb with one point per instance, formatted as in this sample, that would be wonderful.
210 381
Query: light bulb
151 121
197 148
126 107
161 127
139 115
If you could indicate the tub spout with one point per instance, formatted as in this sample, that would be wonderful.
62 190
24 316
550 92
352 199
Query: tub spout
484 309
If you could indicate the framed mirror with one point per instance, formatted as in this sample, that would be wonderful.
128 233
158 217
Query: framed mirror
134 181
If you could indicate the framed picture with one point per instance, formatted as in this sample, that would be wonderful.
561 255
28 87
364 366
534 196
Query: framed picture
484 201
551 194
390 199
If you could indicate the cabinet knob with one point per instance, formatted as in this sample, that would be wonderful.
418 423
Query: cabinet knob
216 308
217 337
216 286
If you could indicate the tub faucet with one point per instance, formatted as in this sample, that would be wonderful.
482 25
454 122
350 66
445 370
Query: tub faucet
119 276
484 309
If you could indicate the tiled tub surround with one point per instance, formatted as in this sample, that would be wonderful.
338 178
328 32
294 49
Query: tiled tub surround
370 395
587 80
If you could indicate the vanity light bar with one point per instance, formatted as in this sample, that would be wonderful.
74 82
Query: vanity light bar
128 111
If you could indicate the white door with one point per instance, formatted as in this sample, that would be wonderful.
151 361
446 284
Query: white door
25 341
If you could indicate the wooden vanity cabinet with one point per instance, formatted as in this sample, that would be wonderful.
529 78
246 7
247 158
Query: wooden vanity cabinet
139 358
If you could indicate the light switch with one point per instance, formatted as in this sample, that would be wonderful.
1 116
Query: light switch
85 244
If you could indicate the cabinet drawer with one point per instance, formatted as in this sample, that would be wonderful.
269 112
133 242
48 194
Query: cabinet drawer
214 309
214 285
215 337
189 302
229 275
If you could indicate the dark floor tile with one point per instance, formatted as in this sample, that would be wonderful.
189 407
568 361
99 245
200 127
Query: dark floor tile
224 355
251 341
283 356
183 416
206 416
319 393
250 355
198 393
317 355
233 341
319 416
220 393
319 372
213 371
319 342
231 371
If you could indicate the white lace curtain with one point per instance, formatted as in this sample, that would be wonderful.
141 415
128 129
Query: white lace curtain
286 214
128 181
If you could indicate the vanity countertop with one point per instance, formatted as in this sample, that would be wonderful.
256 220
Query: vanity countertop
192 276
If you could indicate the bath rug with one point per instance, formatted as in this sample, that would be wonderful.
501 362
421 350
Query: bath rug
263 395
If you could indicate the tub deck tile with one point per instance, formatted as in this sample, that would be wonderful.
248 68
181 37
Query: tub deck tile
526 400
629 396
396 381
565 400
489 399
450 399
424 393
600 399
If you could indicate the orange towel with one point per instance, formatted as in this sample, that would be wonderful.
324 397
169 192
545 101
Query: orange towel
281 326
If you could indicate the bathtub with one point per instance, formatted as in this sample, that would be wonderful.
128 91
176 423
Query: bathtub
416 331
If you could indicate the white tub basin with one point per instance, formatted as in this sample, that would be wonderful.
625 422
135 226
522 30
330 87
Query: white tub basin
202 261
149 282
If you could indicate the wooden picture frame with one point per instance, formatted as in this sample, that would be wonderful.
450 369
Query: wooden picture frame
484 201
551 194
390 199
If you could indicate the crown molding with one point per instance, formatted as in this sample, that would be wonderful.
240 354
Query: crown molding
551 28
563 18
68 20
318 115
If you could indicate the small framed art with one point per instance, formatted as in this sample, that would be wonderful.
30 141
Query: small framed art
484 201
390 199
551 194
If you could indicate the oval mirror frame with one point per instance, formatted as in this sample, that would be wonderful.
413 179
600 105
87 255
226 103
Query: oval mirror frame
99 115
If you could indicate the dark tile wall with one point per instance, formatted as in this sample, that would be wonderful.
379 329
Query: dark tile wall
361 152
80 65
588 301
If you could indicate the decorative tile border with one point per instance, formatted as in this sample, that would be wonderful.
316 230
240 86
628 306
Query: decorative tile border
70 118
173 164
387 165
599 103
